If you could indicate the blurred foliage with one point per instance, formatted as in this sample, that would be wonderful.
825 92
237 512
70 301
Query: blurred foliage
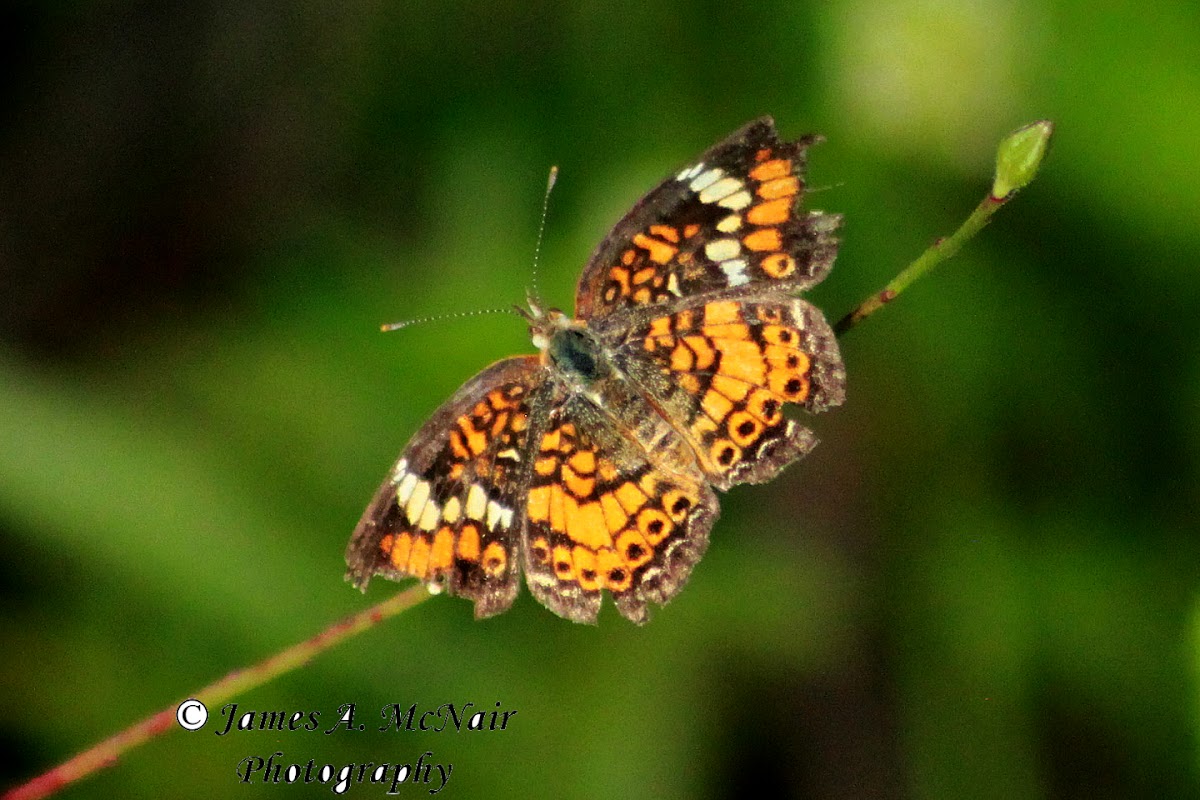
982 584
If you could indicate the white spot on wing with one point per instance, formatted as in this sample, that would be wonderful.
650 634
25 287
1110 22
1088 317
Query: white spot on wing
429 517
405 489
722 188
476 502
735 270
722 249
706 179
736 201
416 503
496 513
452 510
730 223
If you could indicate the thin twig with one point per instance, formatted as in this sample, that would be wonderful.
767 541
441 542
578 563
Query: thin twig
109 751
1017 162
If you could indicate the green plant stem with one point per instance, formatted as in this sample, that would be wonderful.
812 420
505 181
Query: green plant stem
941 250
1018 159
109 751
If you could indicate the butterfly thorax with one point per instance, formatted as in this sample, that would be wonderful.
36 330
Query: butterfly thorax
568 346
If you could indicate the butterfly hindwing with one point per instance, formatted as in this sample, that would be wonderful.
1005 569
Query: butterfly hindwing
450 514
603 516
726 369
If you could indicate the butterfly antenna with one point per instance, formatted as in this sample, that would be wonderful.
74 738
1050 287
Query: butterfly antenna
395 326
534 296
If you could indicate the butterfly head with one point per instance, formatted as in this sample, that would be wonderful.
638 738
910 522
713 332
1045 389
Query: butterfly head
543 323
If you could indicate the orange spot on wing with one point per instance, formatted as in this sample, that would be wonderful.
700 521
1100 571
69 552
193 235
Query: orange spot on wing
564 569
660 327
744 428
722 312
690 230
585 524
705 355
677 503
608 560
401 551
458 445
682 359
764 239
770 170
499 399
584 462
468 543
442 554
500 423
585 569
766 406
780 187
733 389
418 558
476 441
654 525
607 470
494 559
689 383
716 405
557 499
789 385
724 453
630 497
780 357
614 516
579 486
772 212
730 330
742 360
644 275
665 232
659 251
538 504
634 549
779 265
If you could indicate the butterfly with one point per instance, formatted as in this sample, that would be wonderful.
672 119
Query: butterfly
593 465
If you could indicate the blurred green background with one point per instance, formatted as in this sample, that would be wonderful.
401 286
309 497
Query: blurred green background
982 584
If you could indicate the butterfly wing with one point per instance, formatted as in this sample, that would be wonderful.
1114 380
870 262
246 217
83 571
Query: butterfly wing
450 512
731 219
723 371
606 514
